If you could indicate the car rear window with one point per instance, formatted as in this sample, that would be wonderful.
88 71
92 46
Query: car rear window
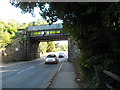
51 56
61 53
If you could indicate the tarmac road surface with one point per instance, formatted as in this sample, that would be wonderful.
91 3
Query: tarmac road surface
32 74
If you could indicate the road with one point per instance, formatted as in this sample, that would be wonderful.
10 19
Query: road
29 74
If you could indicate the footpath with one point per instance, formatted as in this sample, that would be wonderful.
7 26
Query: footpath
65 77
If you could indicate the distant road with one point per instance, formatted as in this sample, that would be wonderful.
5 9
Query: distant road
31 74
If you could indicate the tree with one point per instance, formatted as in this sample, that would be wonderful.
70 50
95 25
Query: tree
38 22
7 32
59 47
95 26
65 47
51 46
43 47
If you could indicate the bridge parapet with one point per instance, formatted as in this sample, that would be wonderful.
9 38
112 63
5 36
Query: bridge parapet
45 27
52 32
42 33
47 32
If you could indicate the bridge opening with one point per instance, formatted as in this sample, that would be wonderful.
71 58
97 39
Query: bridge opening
45 36
27 46
55 47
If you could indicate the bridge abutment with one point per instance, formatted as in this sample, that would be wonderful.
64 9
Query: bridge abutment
32 49
31 37
73 50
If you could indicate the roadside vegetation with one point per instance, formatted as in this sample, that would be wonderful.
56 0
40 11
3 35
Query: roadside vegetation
52 47
9 31
96 28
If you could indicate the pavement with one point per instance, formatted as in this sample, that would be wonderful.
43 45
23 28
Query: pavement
65 77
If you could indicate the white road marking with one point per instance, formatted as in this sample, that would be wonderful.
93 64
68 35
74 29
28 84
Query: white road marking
60 67
13 64
41 63
25 69
2 66
1 71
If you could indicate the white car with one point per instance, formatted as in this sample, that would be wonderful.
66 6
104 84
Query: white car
51 58
61 55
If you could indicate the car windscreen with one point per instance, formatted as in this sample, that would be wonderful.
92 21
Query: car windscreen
61 53
50 56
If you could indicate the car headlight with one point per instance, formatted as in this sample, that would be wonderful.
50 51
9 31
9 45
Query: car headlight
53 59
46 60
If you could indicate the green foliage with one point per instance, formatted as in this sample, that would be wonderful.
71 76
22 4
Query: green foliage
47 32
47 47
7 32
51 46
55 32
23 39
96 28
36 33
59 47
43 47
38 22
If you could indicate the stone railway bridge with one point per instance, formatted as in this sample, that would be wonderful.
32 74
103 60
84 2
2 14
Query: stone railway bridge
37 34
34 35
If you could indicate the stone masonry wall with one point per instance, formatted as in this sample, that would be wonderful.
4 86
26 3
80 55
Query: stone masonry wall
14 52
73 50
32 50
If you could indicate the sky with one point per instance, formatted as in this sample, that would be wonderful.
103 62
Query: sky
8 12
62 42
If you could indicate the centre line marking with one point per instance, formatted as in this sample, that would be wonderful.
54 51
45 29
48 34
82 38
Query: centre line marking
60 67
25 70
41 63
